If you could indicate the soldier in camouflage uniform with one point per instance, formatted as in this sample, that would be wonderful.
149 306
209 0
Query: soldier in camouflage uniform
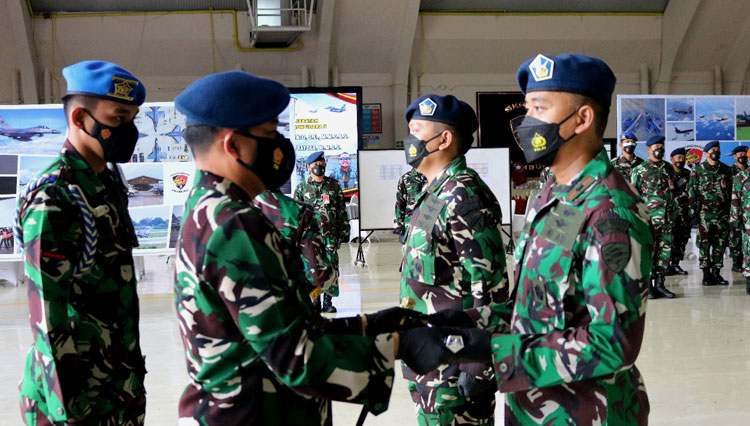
453 256
564 350
409 186
740 218
654 182
85 363
681 228
324 195
735 240
298 223
710 191
256 352
627 161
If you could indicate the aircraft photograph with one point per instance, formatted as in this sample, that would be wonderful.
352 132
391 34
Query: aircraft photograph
680 109
643 116
742 119
680 132
24 134
713 121
145 183
334 109
151 225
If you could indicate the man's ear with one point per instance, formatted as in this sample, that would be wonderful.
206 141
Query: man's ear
447 140
76 116
228 144
585 116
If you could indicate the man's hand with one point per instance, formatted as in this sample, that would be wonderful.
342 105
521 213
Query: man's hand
451 318
393 319
423 349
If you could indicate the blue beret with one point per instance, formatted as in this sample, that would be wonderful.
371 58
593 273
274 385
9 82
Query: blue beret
628 135
571 73
678 151
104 80
444 109
654 140
710 145
232 100
738 148
315 156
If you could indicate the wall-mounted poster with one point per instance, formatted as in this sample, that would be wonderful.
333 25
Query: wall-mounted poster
689 122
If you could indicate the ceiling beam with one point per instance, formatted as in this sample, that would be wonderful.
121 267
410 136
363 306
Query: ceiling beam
675 24
402 51
739 60
25 50
322 64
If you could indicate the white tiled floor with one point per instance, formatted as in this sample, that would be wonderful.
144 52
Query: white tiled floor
695 356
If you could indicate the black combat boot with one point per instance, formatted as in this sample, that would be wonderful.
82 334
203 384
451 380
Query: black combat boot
316 304
675 267
328 304
660 289
708 277
719 279
737 264
652 294
747 285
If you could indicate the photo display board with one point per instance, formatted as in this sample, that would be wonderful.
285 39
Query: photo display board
381 170
686 121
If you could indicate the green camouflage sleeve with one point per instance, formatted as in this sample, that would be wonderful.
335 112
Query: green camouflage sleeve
350 368
51 233
614 293
693 201
636 179
734 213
401 191
299 192
319 265
343 217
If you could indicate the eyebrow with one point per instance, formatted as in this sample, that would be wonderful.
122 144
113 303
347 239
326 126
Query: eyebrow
123 111
539 99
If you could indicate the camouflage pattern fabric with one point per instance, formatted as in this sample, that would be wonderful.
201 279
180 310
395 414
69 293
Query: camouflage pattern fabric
298 223
453 259
740 214
682 226
409 186
85 359
254 347
709 192
327 200
566 346
450 407
735 238
544 176
655 183
625 166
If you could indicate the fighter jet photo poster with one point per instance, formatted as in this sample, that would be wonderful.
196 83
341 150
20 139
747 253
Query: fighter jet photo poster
158 176
686 121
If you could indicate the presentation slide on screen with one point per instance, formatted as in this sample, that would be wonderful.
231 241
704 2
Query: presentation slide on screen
689 122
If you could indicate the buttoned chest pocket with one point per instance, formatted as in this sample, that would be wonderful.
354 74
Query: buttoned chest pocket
424 236
107 220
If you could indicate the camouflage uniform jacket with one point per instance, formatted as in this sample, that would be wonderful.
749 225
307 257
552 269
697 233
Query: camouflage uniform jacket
298 223
736 169
570 338
327 199
254 347
681 196
655 182
453 256
624 166
740 210
85 357
409 186
710 189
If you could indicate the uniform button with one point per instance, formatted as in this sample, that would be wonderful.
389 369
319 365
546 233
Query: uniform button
60 411
503 367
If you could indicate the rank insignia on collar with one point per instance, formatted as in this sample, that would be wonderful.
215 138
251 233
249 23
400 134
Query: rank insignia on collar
427 107
122 88
542 68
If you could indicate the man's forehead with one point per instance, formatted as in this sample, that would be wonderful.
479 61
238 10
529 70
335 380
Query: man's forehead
546 97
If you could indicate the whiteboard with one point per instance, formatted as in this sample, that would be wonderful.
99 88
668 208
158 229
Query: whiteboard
379 171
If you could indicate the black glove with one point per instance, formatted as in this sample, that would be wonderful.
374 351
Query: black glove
393 319
477 344
402 238
423 349
469 385
451 318
348 325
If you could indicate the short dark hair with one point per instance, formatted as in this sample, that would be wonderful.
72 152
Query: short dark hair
601 112
463 138
87 102
199 137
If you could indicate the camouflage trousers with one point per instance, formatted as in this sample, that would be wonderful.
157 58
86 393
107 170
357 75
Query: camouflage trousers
713 231
662 249
746 251
445 406
680 237
735 245
333 290
133 415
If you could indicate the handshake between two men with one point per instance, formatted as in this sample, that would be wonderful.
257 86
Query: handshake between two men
425 341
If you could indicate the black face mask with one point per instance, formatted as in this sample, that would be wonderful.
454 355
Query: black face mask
416 149
715 155
742 159
118 143
630 149
273 162
318 170
658 153
540 140
679 164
